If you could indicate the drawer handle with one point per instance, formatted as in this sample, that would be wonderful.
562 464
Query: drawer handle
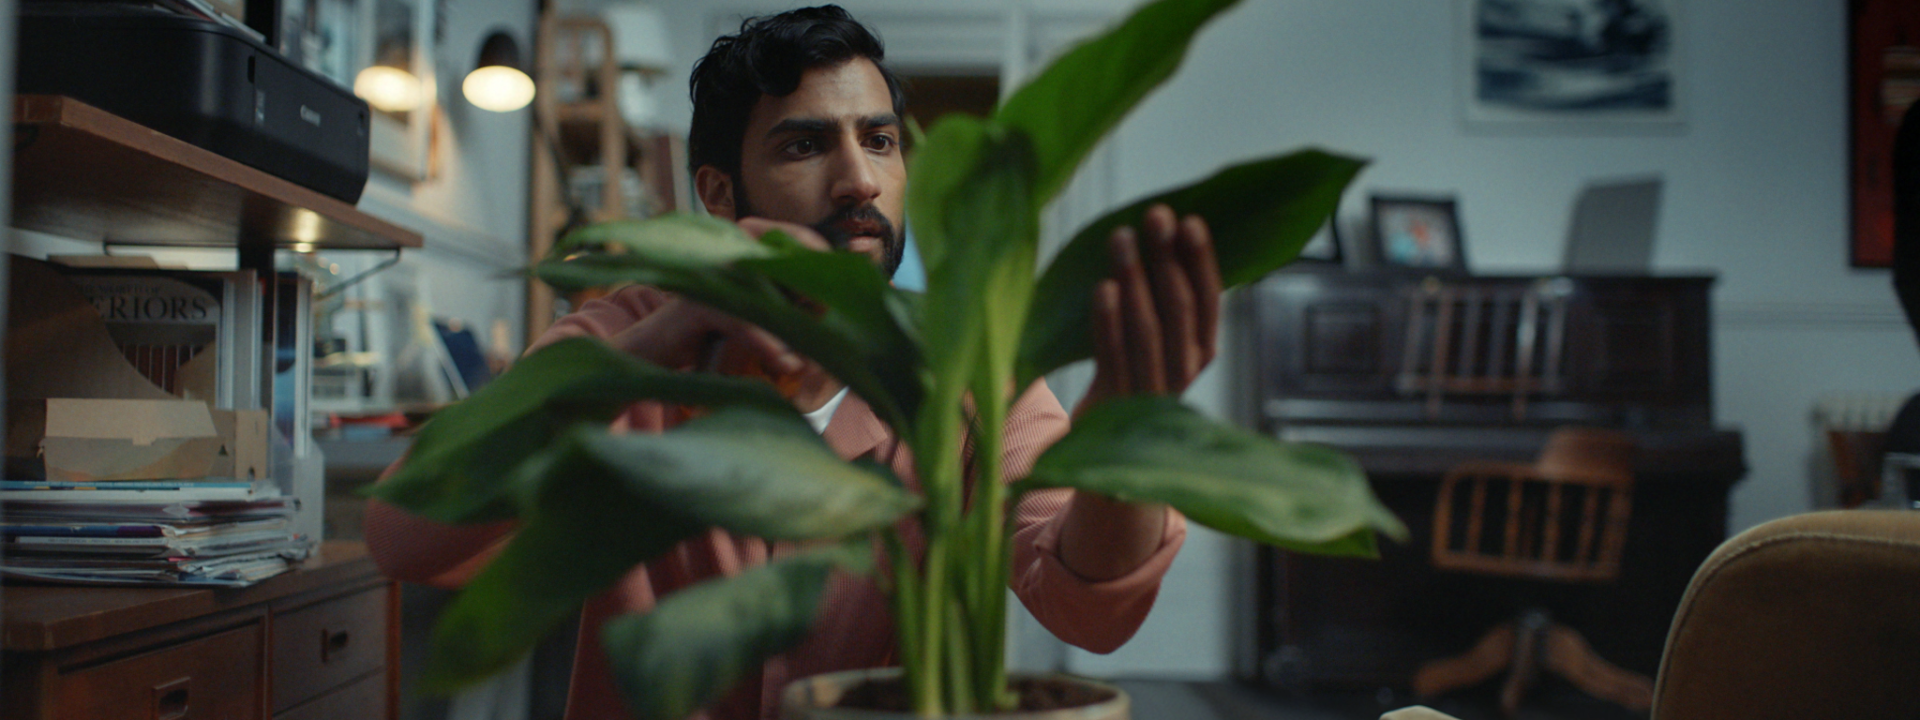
332 644
170 700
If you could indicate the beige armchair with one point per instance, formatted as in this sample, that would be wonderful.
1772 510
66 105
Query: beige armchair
1810 616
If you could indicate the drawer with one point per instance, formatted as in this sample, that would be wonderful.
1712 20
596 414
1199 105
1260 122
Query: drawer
363 699
327 644
216 677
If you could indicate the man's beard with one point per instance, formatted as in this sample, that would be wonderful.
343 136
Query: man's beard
893 247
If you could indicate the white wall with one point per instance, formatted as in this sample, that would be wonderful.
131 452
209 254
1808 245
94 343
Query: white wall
1756 192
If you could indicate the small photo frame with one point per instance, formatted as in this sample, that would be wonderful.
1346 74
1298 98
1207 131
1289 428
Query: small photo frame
1417 232
1325 247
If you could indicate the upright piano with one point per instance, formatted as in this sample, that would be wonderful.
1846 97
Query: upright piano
1412 373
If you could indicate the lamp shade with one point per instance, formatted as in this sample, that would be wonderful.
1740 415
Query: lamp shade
387 88
497 82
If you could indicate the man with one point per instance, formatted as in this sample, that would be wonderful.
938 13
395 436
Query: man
797 125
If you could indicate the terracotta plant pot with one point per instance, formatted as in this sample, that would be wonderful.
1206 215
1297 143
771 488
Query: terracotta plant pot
818 697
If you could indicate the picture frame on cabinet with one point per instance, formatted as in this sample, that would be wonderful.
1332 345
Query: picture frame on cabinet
1417 232
1326 247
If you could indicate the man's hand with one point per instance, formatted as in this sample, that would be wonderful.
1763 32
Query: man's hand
685 334
1156 318
1155 325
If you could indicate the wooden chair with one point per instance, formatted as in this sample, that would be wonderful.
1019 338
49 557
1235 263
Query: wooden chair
1484 341
1562 519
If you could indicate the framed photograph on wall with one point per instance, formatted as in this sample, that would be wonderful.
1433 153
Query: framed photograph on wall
1571 65
1884 79
342 38
1417 232
400 34
324 36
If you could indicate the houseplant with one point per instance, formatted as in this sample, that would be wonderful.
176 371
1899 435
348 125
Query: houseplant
534 446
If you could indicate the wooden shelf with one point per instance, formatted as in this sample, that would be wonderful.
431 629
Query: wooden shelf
50 617
591 111
83 173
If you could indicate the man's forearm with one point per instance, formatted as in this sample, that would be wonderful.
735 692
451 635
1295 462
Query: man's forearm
1102 539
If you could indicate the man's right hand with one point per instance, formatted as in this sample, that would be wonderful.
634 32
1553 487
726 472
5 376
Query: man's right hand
683 334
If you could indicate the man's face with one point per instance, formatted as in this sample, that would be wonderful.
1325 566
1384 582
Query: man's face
828 156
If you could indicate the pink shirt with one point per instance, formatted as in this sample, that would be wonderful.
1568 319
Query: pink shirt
854 629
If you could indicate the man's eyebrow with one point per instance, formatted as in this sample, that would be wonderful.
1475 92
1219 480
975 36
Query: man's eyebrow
800 125
820 125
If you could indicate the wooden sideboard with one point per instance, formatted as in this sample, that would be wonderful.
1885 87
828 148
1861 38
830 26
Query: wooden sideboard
321 641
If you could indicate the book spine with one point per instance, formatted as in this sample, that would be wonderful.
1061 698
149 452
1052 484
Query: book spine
99 531
84 540
125 485
135 496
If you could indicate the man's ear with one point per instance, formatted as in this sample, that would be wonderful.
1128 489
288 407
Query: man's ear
715 189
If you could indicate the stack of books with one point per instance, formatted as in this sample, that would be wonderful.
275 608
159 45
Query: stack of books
156 426
163 532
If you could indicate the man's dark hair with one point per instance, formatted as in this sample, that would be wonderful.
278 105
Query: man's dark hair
767 57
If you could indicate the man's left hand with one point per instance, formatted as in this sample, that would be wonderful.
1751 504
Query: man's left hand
1155 324
1156 318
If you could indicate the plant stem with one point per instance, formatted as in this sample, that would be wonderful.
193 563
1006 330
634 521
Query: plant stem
906 600
932 634
986 519
960 699
938 462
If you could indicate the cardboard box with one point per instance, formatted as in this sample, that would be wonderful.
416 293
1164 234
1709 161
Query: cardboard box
243 436
88 439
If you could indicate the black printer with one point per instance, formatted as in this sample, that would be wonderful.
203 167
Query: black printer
199 81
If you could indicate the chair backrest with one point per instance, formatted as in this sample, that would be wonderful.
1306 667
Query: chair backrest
1484 340
1562 518
1808 616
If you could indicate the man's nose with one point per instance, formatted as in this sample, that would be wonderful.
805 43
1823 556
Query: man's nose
855 180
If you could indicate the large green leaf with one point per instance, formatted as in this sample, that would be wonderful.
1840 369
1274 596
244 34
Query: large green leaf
584 532
977 229
972 207
1261 213
459 466
859 303
701 641
682 241
596 504
1302 497
716 263
755 473
1077 99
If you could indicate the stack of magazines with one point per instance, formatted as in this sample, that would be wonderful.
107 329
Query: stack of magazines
148 533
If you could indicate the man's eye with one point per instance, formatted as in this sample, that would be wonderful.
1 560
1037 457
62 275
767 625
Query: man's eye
803 146
881 142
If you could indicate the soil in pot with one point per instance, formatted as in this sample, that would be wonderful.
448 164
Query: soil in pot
880 694
1036 694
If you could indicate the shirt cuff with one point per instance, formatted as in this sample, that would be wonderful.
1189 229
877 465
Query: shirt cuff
1098 616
